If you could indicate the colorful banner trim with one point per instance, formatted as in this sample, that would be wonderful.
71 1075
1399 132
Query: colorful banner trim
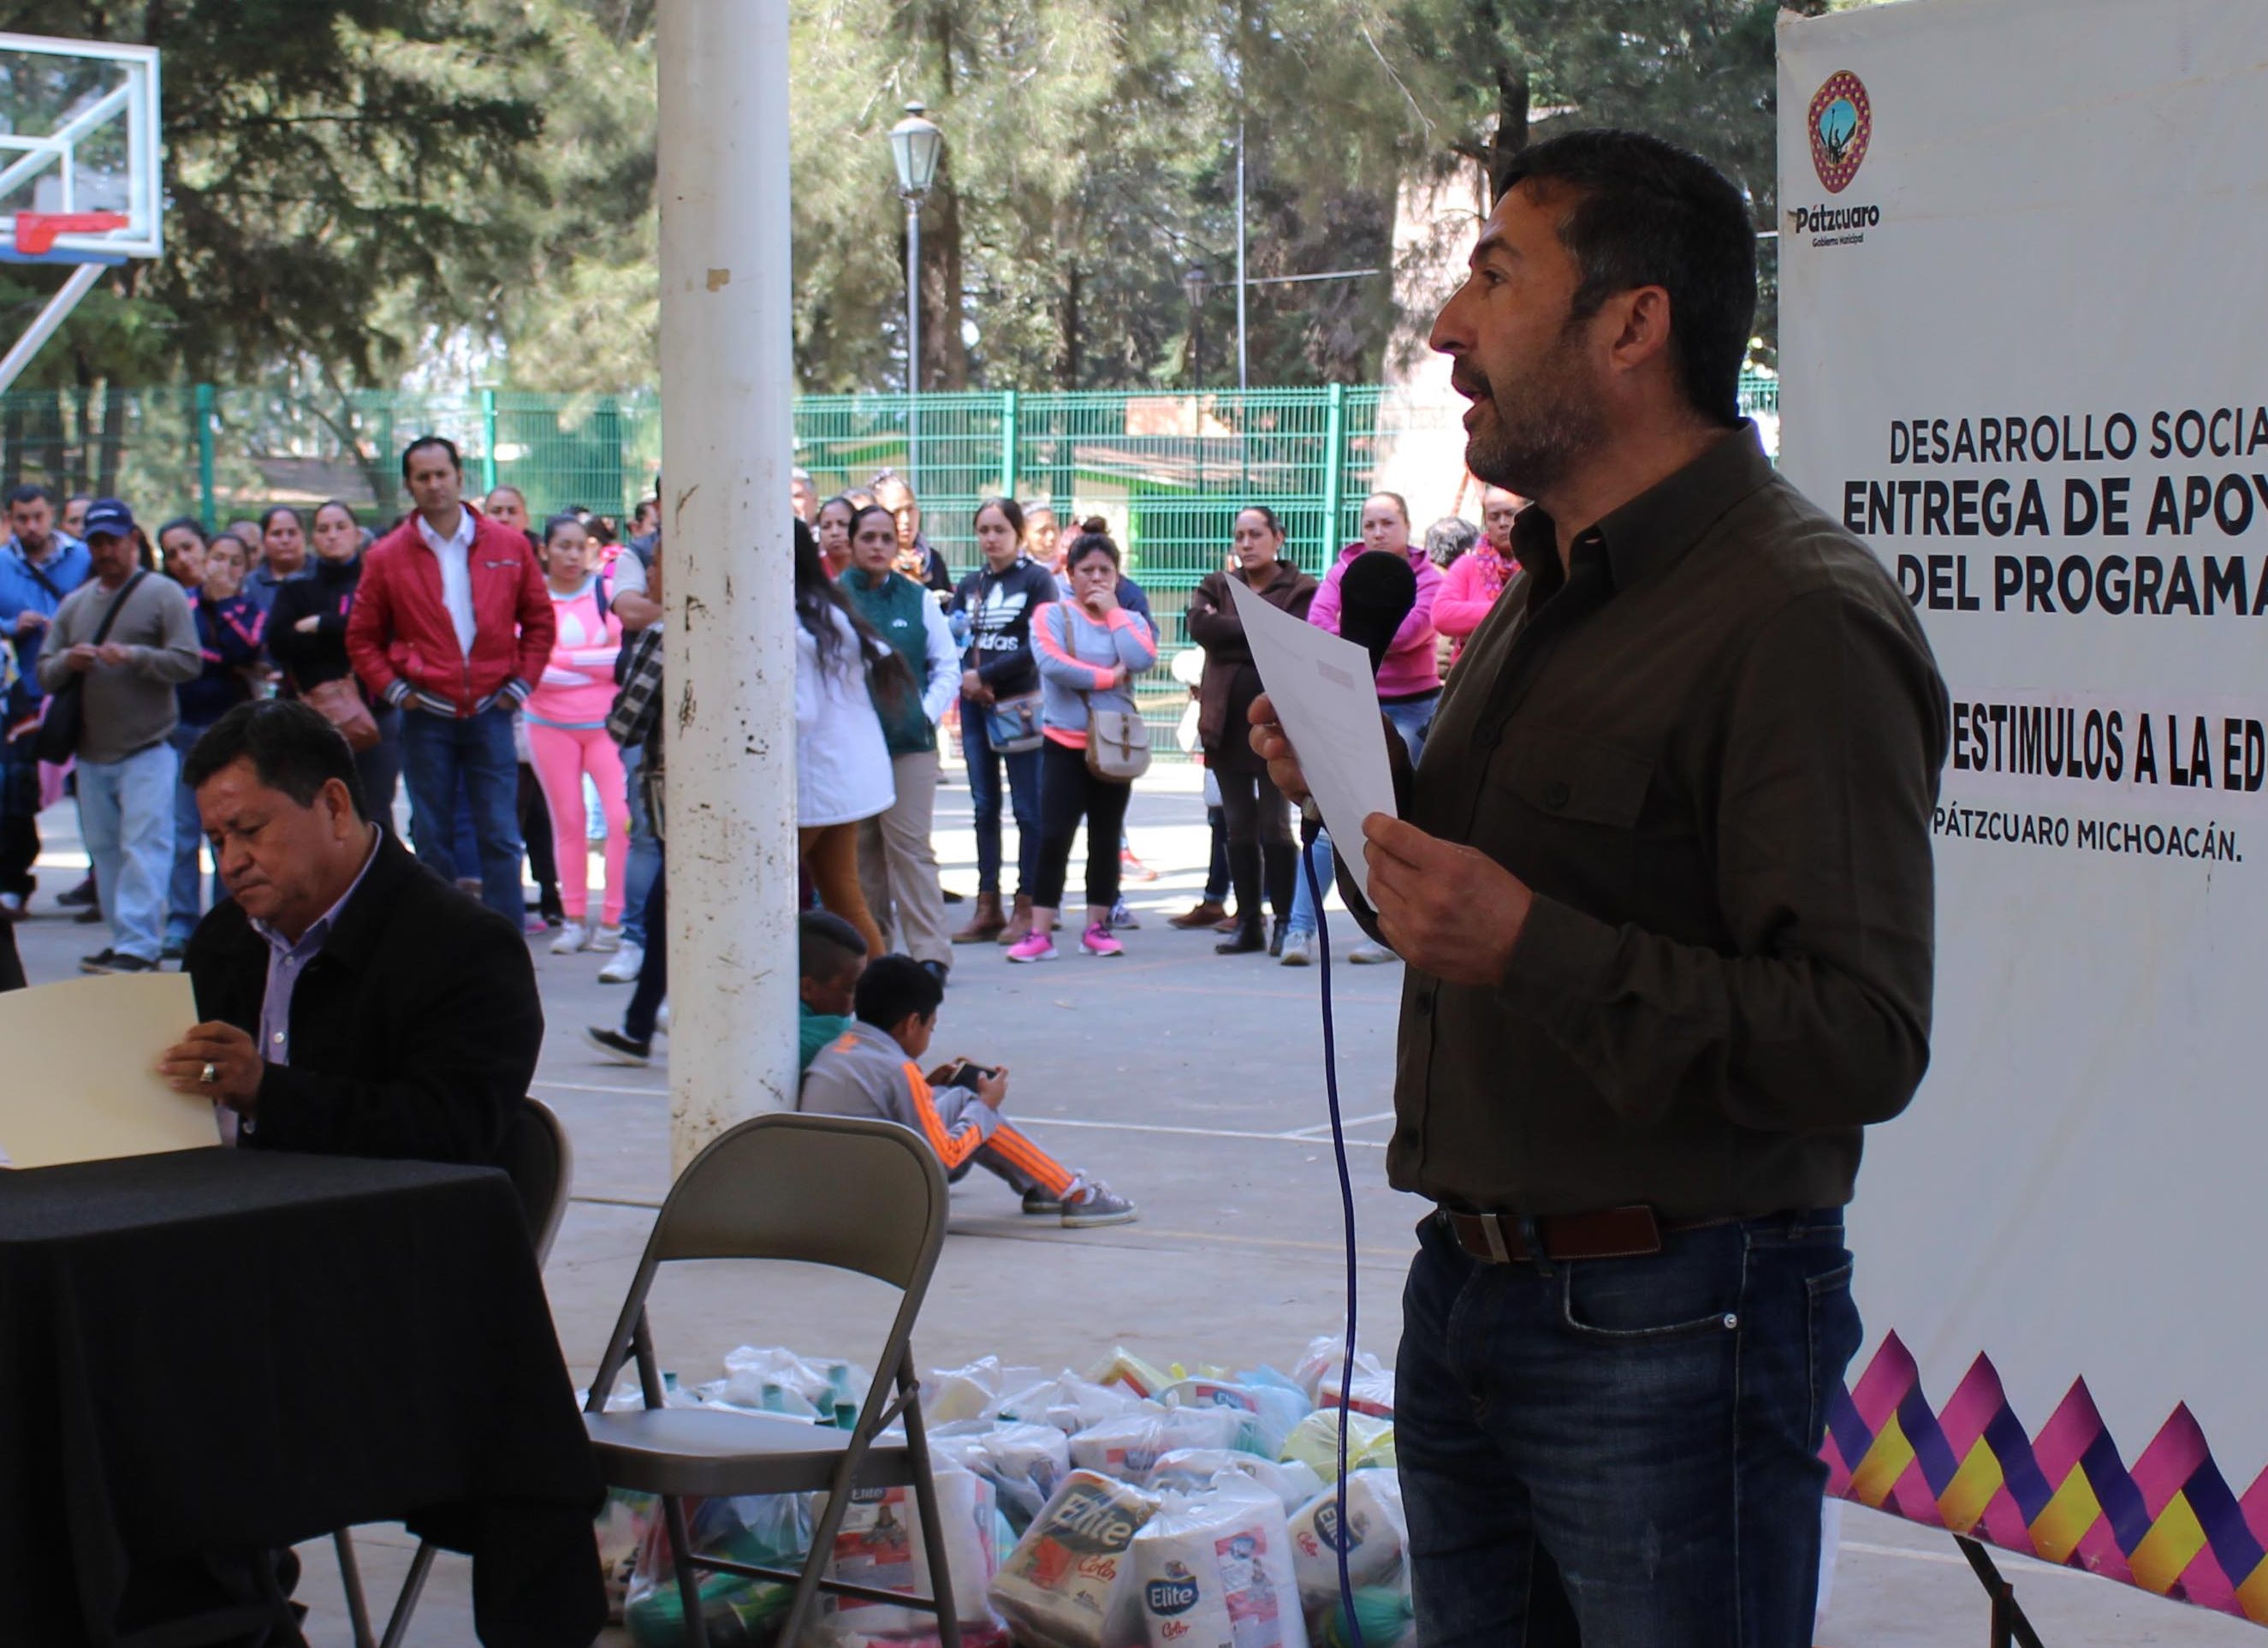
2170 1525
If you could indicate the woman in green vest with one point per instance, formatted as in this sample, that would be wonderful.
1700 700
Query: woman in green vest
896 863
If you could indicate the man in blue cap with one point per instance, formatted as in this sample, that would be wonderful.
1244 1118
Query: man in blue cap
121 643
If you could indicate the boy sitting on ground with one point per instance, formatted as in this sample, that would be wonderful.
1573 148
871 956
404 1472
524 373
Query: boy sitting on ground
830 956
869 1070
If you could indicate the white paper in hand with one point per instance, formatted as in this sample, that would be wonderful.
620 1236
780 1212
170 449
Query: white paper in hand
1326 703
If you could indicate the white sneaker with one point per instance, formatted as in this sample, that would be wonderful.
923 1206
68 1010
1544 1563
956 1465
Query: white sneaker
1368 954
573 937
607 938
661 1020
624 967
1298 950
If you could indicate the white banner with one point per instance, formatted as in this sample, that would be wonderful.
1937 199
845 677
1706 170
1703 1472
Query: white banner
2024 256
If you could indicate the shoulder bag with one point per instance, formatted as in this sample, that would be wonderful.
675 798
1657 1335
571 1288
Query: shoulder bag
58 740
1117 744
1012 726
1117 740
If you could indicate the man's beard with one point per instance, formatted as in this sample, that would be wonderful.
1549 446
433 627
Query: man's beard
1544 424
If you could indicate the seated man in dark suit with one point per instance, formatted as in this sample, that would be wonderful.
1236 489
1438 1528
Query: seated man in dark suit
355 1004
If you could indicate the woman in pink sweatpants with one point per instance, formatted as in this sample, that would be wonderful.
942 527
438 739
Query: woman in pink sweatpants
567 734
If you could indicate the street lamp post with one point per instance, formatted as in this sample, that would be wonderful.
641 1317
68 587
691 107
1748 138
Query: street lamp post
915 143
1197 283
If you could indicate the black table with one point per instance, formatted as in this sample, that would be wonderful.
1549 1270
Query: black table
238 1350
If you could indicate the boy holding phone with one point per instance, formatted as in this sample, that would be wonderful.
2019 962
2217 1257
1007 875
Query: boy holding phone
870 1070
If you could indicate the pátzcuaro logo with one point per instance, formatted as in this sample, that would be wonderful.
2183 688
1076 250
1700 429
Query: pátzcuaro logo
1841 120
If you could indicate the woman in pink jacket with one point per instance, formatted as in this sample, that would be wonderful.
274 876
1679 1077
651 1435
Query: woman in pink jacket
567 734
1469 587
1409 683
1408 691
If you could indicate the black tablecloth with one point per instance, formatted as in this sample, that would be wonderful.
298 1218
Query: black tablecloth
246 1350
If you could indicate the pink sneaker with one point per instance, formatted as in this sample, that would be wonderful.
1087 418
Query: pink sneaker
1096 941
1034 946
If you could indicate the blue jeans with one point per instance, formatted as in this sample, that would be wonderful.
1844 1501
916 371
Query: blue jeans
1306 916
184 904
379 767
984 796
653 969
645 852
438 755
1622 1452
1411 720
126 816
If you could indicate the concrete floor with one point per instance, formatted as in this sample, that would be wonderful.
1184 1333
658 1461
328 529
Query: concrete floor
1194 1084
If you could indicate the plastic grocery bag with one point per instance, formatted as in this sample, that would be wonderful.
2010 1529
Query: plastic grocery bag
1070 1403
1130 1448
771 1531
1068 1584
1199 1470
1315 1443
1318 1370
1371 1393
1123 1367
881 1544
952 1394
627 1396
1385 1612
622 1524
1373 1537
770 1381
1269 1411
1024 1463
1215 1571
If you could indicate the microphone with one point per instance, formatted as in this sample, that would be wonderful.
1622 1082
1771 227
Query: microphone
1376 592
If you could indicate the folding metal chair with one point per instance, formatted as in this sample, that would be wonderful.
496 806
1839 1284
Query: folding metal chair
541 1164
856 1196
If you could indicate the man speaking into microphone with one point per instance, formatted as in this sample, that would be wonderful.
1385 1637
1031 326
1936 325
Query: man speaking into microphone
1663 881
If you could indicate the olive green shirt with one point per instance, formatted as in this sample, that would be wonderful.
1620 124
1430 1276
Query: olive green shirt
1711 749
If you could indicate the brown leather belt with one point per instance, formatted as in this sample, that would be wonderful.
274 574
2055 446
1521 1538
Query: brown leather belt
1499 1239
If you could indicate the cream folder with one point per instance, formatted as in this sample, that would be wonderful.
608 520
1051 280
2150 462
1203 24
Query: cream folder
81 1060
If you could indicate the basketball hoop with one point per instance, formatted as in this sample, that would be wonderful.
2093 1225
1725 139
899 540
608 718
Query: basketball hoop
36 231
80 168
81 158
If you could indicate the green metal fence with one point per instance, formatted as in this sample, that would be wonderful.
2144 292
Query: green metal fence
1167 471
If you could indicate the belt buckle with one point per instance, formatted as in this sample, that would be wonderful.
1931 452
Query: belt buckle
1492 1232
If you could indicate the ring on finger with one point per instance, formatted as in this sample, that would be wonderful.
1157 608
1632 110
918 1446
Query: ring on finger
209 1074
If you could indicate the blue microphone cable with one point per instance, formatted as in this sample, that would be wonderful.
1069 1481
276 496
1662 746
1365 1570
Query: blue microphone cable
1345 1539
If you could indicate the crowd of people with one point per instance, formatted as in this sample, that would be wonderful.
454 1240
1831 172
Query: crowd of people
504 675
464 658
471 657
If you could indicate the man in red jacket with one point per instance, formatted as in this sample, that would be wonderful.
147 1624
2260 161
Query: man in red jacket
453 625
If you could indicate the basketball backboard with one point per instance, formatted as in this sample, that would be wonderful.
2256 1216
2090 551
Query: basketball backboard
80 173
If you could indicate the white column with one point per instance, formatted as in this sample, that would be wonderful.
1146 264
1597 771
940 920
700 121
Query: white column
728 719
